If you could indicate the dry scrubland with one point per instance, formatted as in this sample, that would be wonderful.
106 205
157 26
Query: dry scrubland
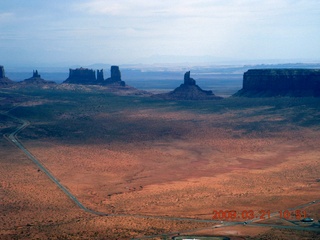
131 155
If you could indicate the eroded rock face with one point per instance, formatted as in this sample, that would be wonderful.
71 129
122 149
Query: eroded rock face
36 74
115 77
87 76
81 76
188 80
35 80
4 81
280 82
100 77
2 74
115 73
188 91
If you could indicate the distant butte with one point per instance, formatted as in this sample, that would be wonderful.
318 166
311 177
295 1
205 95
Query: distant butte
115 77
4 81
189 90
36 80
280 82
81 75
87 76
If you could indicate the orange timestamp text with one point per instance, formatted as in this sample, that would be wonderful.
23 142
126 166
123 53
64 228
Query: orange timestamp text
261 214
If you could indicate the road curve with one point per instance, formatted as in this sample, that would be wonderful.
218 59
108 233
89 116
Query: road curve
12 137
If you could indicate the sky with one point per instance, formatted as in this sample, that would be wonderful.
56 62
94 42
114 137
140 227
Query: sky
83 32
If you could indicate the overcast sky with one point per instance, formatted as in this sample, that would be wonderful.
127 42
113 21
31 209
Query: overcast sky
40 32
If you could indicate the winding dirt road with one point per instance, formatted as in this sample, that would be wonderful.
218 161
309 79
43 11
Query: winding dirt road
12 137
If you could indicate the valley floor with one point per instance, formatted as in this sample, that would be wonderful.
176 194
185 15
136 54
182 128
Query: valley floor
163 159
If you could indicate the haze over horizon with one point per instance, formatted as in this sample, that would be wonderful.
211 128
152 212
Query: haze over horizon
61 33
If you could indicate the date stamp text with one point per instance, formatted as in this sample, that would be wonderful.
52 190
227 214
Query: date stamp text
261 214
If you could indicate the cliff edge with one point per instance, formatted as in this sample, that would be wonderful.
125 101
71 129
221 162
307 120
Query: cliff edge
280 82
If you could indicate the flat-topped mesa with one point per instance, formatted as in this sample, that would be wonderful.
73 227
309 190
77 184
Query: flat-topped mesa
188 91
115 77
35 80
87 76
4 81
81 76
280 82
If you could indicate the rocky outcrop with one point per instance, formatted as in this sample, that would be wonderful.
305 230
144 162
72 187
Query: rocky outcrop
188 91
87 76
4 81
100 77
115 77
188 80
36 74
81 75
115 73
2 74
280 82
35 80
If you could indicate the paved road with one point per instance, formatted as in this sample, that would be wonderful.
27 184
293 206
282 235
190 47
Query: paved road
13 138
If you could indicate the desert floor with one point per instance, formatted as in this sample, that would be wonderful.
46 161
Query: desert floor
140 156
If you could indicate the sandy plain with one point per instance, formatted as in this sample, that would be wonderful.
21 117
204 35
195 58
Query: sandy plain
154 159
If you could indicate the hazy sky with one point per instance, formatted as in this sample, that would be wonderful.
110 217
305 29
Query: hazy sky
40 32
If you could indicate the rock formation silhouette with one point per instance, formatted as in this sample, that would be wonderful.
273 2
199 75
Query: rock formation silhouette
2 74
35 80
81 75
36 74
87 76
189 90
280 82
188 80
115 77
100 77
4 81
